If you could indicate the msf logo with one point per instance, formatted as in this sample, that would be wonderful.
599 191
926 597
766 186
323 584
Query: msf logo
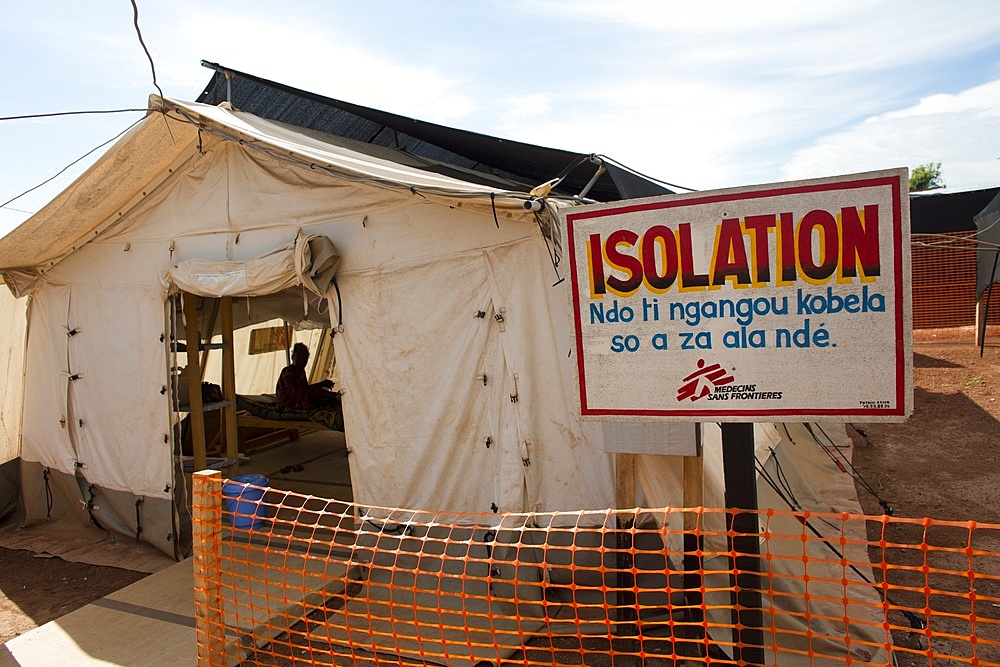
701 383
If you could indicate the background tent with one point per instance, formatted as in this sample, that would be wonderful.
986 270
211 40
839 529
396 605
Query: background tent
988 232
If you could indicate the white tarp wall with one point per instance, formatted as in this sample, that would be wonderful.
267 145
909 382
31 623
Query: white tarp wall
12 325
93 400
443 381
13 321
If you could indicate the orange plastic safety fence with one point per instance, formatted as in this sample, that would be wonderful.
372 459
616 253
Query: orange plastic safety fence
944 281
299 580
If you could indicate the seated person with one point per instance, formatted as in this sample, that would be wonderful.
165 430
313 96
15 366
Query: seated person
293 392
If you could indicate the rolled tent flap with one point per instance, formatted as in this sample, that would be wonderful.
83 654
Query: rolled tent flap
310 261
316 263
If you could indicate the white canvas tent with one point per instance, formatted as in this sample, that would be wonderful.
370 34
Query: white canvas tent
449 313
428 263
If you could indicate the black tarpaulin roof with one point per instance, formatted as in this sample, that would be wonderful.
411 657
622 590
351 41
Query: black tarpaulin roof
490 160
943 212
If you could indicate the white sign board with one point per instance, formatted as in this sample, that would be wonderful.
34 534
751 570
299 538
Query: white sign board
788 301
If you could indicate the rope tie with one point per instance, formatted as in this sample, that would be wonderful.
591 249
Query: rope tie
48 495
138 520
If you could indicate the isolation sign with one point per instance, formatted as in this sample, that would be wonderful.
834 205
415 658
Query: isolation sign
783 301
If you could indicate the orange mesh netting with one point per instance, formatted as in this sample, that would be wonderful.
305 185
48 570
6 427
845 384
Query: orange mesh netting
944 281
299 580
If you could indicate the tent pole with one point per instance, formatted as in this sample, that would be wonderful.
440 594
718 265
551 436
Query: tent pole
984 312
197 412
229 384
322 358
288 343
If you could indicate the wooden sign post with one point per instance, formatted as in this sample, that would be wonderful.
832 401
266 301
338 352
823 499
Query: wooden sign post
740 472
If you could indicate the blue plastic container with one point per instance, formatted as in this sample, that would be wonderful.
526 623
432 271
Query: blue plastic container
243 502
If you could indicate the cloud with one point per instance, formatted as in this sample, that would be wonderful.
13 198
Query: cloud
807 38
525 106
961 131
318 58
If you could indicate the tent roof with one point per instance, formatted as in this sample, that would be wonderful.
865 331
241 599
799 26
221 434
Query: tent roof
170 135
354 142
479 156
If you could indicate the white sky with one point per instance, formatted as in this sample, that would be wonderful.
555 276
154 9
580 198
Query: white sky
702 94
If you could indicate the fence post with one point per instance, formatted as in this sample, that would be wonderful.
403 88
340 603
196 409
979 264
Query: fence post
206 527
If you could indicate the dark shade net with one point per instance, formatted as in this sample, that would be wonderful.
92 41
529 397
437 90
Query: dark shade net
466 155
946 212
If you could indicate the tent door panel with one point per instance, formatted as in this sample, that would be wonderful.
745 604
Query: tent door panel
45 428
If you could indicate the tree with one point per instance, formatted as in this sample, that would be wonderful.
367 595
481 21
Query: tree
926 177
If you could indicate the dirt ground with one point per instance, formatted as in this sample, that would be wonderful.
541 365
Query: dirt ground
942 463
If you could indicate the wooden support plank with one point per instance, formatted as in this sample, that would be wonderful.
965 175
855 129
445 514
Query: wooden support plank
322 358
625 481
197 413
288 344
625 647
213 317
229 385
694 475
694 496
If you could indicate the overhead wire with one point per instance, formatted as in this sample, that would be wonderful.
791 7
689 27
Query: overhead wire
69 113
138 32
152 66
61 171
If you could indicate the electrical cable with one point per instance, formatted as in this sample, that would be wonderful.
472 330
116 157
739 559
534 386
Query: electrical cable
854 472
916 622
61 171
135 21
786 485
886 507
646 176
69 113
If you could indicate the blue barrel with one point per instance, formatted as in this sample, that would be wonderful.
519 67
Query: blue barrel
243 502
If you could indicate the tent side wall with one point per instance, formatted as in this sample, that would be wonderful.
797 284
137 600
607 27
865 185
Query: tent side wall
96 428
13 323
